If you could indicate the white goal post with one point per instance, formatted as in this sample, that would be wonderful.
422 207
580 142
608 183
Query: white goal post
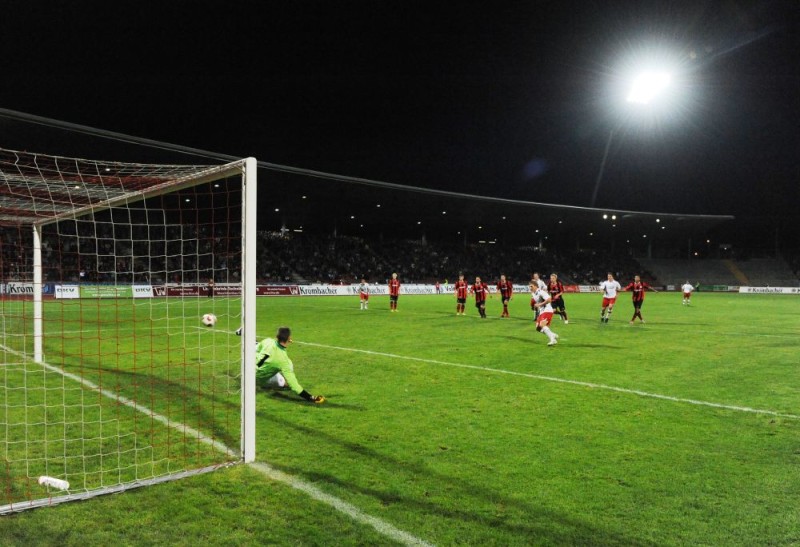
108 378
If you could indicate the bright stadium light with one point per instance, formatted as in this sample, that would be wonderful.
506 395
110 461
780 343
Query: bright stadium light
647 86
644 89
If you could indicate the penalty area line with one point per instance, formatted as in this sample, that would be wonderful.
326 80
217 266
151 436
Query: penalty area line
562 381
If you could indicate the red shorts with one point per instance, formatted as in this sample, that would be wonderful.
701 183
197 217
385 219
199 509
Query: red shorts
544 319
687 295
609 301
364 296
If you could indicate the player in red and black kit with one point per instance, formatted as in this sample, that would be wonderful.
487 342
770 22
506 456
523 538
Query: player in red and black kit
461 288
637 289
506 289
556 290
480 290
394 292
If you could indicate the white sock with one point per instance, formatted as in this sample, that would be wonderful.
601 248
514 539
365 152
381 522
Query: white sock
547 332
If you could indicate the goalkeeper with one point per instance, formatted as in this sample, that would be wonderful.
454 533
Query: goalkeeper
274 369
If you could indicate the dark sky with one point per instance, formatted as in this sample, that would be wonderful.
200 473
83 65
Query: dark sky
510 99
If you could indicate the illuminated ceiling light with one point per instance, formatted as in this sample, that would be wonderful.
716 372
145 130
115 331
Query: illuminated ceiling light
187 200
419 222
378 205
605 216
613 217
276 209
658 220
647 86
216 185
480 227
560 221
352 217
304 197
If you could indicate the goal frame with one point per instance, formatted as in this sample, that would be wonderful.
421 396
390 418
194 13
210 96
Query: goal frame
246 169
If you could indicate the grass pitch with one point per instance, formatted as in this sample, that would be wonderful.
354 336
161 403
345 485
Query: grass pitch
457 430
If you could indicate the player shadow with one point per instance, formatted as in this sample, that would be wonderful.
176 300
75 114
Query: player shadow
136 382
656 322
545 525
285 396
540 339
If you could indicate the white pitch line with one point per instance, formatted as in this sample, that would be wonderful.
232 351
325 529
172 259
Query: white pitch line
338 504
561 381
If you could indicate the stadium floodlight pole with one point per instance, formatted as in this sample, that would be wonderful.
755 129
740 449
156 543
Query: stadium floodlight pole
644 89
602 167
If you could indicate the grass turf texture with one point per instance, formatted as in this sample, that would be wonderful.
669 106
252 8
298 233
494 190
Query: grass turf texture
497 451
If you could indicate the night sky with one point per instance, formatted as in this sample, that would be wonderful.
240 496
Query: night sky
512 100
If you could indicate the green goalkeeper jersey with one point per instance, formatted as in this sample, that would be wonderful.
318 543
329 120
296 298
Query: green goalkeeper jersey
274 358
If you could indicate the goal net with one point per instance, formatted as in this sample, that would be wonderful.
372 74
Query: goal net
108 377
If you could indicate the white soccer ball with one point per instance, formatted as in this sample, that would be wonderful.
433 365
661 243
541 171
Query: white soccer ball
209 319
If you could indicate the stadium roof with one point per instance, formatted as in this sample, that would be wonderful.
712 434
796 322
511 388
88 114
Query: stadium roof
312 201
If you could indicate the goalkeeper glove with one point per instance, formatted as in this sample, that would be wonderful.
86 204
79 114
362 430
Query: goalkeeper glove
239 331
319 399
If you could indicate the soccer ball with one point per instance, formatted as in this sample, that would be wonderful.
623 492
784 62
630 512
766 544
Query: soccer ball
209 319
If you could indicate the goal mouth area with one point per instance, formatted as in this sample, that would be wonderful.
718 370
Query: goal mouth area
109 380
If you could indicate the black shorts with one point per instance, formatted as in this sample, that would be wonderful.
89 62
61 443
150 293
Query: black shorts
638 305
393 297
506 299
480 303
461 300
559 305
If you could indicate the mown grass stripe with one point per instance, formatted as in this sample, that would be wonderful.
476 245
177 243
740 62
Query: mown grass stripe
562 381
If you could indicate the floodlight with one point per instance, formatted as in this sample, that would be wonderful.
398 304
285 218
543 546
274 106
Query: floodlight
647 85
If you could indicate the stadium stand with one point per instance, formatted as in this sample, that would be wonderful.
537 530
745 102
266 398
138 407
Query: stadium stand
768 272
308 258
756 272
346 259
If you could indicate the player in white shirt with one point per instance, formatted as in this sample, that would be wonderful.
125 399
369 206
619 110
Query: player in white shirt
363 294
542 304
609 288
534 285
687 293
